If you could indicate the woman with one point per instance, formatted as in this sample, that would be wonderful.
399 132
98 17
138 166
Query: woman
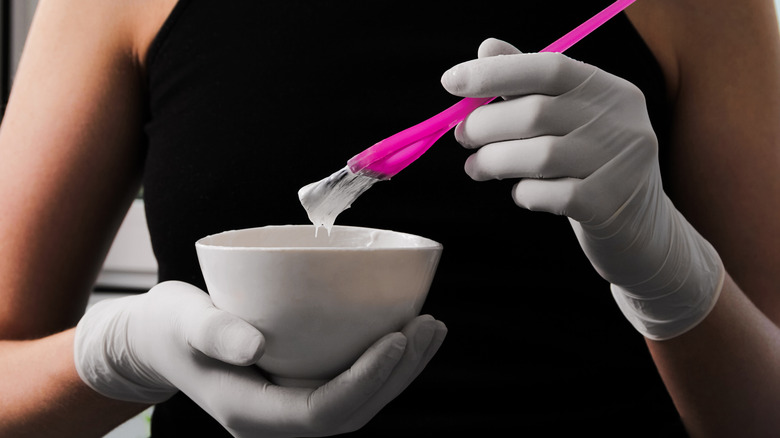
161 90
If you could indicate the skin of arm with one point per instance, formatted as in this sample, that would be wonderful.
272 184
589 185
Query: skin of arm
70 164
721 60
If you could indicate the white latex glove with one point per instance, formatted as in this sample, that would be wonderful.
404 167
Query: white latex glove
147 347
581 143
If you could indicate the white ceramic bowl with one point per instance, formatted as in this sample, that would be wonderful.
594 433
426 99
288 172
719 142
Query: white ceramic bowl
320 301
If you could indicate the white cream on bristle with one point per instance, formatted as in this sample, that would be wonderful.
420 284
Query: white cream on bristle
324 200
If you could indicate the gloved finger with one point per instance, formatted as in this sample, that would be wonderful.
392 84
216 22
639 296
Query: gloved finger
425 335
511 159
551 74
517 118
426 348
496 47
489 47
533 115
211 331
225 337
543 157
557 196
333 405
595 198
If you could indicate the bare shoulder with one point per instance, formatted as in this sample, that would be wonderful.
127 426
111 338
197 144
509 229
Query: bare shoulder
691 37
146 19
125 27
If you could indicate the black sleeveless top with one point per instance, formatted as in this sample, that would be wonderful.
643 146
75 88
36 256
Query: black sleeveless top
249 101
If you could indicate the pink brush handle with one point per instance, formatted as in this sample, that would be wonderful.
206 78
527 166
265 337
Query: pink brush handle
587 27
409 144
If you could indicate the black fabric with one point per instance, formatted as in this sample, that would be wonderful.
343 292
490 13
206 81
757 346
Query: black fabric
249 101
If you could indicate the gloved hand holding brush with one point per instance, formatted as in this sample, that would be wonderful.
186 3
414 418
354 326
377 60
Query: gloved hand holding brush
581 143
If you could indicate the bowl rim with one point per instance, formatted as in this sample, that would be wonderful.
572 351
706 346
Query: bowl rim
424 243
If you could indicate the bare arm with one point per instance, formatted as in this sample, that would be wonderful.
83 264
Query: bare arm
43 395
723 375
722 60
70 163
